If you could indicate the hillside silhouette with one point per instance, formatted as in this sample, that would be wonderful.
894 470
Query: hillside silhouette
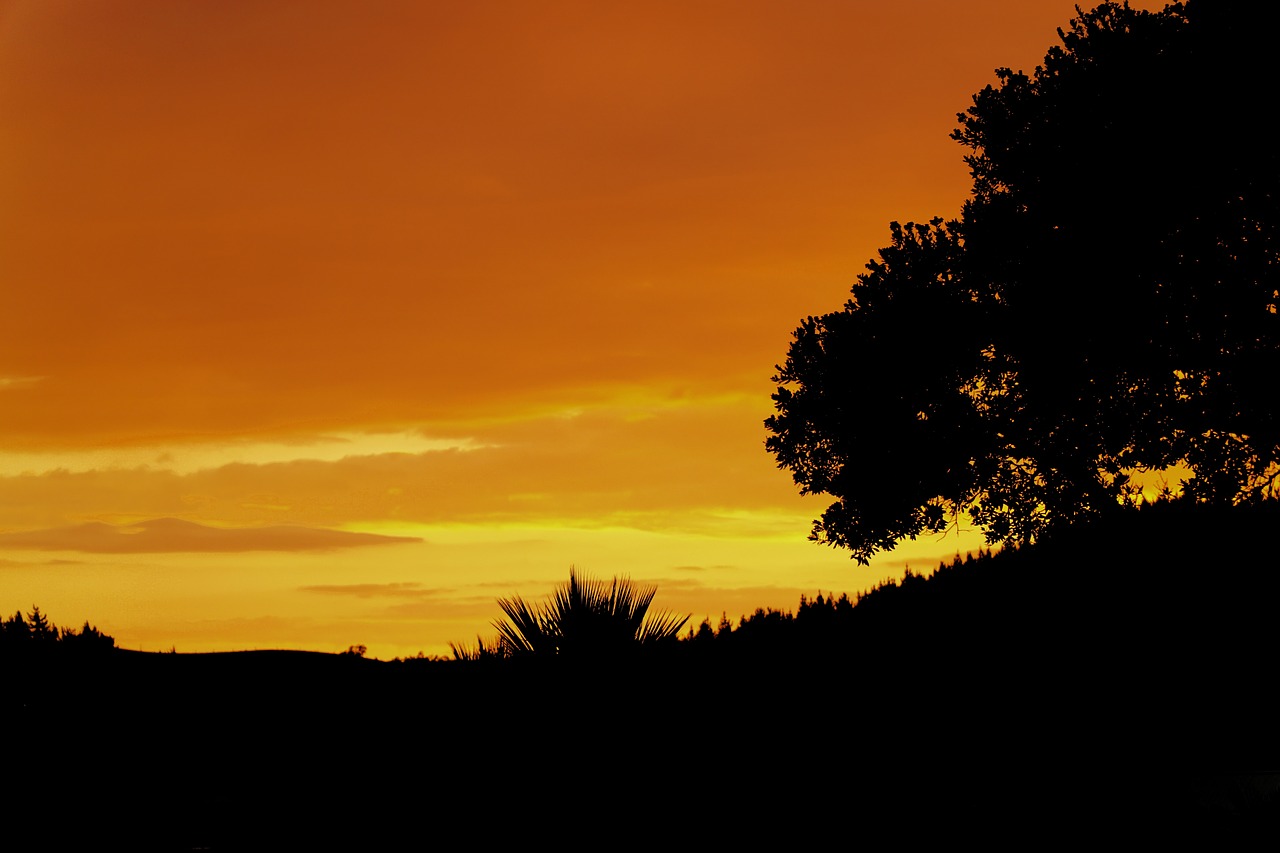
1143 647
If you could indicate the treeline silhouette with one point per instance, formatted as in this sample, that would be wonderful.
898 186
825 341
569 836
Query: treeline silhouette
35 634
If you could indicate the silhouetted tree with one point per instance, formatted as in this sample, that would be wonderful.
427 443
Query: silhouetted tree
1106 304
88 638
586 617
705 634
15 632
41 631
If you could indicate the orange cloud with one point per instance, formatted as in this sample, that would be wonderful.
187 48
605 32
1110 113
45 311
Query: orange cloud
174 535
376 590
634 465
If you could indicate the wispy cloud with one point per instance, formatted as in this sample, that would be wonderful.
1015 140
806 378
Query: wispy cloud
175 535
604 467
376 590
190 457
9 382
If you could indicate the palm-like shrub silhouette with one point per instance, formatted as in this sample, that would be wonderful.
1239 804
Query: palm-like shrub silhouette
586 617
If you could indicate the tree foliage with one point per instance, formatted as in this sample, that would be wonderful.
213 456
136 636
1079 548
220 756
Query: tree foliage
1106 304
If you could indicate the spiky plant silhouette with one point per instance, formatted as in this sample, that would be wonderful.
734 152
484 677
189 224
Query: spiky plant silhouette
586 617
481 651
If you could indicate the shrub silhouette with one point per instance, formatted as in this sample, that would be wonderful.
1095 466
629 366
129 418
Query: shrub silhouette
481 651
586 617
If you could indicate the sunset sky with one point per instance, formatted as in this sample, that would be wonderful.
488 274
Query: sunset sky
328 323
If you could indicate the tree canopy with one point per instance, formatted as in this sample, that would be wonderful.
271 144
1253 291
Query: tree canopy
1105 304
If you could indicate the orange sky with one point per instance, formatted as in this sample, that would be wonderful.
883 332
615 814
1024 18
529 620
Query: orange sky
505 279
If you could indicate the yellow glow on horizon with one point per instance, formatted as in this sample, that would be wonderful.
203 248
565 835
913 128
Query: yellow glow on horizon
404 598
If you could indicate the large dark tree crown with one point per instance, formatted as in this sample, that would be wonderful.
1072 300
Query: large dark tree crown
1106 304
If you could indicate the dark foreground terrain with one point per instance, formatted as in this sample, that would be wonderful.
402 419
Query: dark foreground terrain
1109 682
